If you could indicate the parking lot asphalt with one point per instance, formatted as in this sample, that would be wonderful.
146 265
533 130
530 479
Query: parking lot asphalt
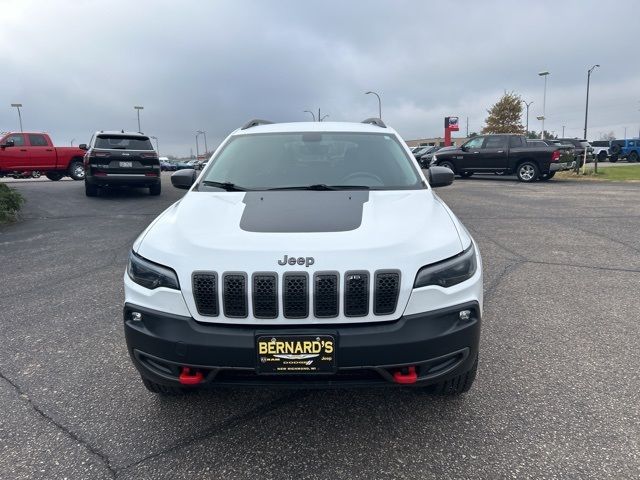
557 393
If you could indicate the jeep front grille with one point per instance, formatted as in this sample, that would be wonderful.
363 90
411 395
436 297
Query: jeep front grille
354 290
356 294
205 293
295 295
234 295
265 295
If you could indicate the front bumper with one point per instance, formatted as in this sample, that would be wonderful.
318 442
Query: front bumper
438 344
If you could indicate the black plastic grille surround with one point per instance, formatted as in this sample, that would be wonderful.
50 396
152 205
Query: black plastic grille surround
295 295
234 295
265 295
385 293
205 293
325 293
356 294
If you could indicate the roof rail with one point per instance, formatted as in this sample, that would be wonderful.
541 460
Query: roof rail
375 121
254 123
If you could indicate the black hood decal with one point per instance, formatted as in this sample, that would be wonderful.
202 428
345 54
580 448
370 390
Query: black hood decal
303 211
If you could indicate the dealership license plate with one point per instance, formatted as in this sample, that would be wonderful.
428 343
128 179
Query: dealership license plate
126 164
290 354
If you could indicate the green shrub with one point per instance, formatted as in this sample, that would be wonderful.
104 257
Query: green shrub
10 203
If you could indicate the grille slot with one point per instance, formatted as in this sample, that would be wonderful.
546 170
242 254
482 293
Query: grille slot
295 295
325 294
205 293
265 295
386 290
356 294
234 295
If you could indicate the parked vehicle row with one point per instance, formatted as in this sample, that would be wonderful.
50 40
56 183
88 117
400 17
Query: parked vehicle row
505 154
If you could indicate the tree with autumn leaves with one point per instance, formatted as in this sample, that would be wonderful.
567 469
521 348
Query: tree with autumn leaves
505 115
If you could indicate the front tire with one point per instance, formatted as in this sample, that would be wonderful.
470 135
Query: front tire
527 172
76 170
613 158
448 164
633 157
457 385
90 190
602 156
54 176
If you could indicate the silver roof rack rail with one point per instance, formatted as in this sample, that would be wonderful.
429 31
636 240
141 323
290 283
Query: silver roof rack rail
375 121
254 123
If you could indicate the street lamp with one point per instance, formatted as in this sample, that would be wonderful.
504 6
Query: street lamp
202 132
312 114
527 104
197 146
138 108
379 104
323 117
157 144
544 74
18 105
72 140
586 109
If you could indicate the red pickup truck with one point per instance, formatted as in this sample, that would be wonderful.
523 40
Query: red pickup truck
31 154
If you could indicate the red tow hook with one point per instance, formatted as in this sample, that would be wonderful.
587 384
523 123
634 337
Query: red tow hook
188 378
406 375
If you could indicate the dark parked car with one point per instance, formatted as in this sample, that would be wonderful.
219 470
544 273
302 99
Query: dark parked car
508 154
116 159
628 149
578 148
424 155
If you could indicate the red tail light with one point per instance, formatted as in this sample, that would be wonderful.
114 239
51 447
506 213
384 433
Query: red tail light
101 154
151 174
555 156
148 155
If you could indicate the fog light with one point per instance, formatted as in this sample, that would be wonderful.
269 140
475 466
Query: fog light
136 316
465 315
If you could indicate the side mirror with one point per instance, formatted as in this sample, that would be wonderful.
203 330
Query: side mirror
463 148
9 143
83 146
184 178
440 177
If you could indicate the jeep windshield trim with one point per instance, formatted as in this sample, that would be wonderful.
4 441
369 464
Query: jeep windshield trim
313 161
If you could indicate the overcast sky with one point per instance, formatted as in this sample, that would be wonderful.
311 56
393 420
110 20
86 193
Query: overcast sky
80 66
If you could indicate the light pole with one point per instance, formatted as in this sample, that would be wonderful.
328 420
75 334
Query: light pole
72 140
379 104
203 133
197 147
138 108
324 116
18 105
586 108
527 104
312 114
544 74
157 144
562 131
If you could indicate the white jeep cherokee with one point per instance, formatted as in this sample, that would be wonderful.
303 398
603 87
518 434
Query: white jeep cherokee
306 254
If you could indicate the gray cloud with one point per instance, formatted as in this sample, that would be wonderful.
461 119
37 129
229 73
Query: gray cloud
81 66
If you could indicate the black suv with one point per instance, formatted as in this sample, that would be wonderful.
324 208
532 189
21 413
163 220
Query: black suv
120 159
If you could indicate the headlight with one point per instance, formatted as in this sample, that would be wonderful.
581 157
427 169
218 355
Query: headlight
151 275
448 272
434 159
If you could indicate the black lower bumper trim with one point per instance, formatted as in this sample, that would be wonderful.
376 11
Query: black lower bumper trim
438 344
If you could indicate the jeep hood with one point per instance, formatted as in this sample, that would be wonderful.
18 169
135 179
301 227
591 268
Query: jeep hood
341 230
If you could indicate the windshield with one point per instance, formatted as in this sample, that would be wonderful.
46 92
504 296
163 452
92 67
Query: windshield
123 142
312 159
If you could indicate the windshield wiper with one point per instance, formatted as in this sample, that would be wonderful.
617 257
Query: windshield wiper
323 186
228 186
